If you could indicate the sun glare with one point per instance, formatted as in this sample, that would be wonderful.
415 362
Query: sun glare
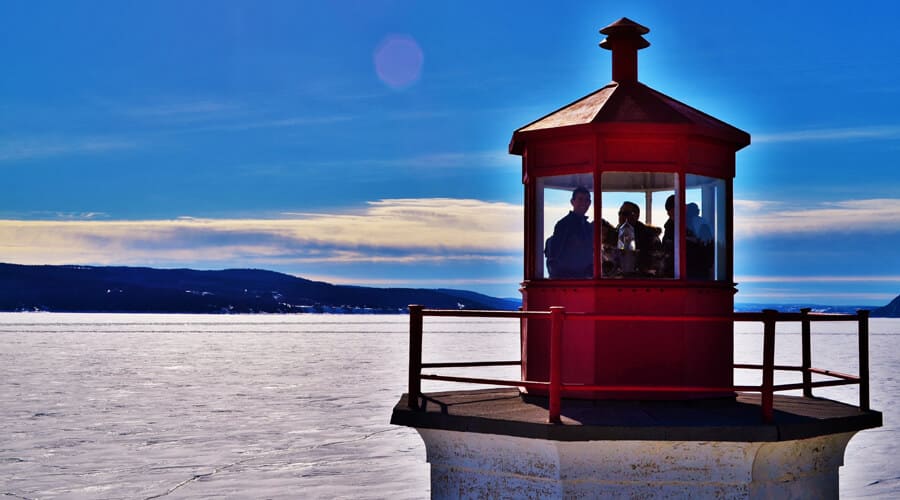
398 61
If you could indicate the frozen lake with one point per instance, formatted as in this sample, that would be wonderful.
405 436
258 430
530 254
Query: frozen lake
195 406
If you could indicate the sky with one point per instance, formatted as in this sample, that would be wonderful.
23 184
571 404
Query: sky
365 142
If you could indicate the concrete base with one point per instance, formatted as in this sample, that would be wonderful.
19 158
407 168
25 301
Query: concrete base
475 465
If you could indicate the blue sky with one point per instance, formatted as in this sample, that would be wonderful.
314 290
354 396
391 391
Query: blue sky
364 142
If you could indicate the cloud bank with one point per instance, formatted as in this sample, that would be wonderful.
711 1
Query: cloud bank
771 218
394 231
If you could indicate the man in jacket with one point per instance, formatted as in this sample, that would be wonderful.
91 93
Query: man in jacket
570 251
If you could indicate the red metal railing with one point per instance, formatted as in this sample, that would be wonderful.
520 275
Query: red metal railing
558 316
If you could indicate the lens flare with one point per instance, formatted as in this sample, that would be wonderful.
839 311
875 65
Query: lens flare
398 61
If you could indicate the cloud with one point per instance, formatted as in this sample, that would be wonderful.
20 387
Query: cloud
291 122
207 115
817 279
345 257
770 218
55 215
472 159
756 205
834 134
404 231
498 158
413 282
191 109
432 223
799 296
46 147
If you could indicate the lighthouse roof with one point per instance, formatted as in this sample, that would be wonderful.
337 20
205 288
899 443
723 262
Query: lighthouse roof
628 102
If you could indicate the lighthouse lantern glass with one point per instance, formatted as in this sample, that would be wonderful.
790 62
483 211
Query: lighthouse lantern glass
554 203
706 243
651 257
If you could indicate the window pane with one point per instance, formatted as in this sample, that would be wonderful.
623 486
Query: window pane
665 208
706 243
633 216
566 221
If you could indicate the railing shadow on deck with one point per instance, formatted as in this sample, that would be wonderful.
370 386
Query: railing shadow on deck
558 318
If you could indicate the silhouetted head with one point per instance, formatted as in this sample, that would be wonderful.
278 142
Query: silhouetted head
629 212
670 204
693 211
581 200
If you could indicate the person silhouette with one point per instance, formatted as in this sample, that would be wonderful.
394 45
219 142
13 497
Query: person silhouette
699 248
569 250
645 239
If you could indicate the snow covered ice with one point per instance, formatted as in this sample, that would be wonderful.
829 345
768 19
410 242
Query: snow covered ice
288 406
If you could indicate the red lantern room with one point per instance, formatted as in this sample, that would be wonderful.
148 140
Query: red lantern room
628 212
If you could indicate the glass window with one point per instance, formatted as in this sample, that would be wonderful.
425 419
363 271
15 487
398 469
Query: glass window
565 220
706 242
635 225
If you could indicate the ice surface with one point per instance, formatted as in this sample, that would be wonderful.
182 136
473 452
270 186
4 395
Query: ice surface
190 406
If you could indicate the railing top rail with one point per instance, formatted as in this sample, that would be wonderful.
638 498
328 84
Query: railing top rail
473 313
638 317
736 316
795 316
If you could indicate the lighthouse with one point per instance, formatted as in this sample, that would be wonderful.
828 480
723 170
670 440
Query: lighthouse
627 384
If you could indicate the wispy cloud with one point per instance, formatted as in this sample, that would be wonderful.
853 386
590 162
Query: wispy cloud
833 134
799 296
757 205
291 122
783 218
19 149
497 158
817 279
79 215
54 215
184 109
209 115
412 282
472 159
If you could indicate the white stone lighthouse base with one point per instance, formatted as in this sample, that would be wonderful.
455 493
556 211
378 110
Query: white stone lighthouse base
473 465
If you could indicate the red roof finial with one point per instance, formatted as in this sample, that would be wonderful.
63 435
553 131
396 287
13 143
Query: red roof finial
624 39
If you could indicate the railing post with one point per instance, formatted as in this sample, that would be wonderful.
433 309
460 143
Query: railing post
415 355
805 334
557 314
522 329
863 316
768 374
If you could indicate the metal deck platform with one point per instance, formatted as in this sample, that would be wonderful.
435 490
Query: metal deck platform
504 411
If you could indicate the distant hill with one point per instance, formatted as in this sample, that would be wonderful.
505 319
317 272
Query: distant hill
892 310
140 289
818 308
